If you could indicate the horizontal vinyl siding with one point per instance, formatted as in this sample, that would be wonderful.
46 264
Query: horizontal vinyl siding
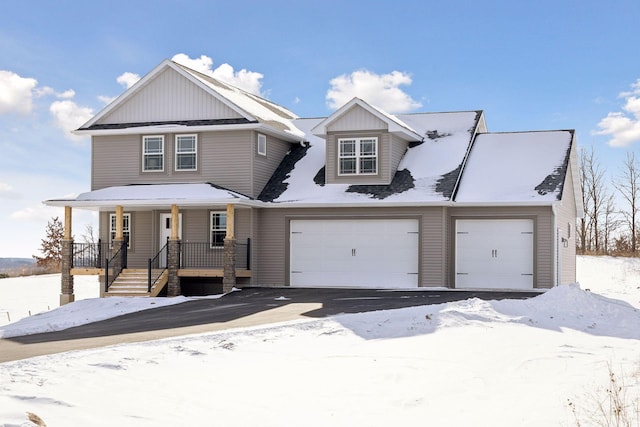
567 225
169 96
224 158
227 159
272 244
544 241
142 239
264 166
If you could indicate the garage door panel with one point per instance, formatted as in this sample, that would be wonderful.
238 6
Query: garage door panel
494 254
358 253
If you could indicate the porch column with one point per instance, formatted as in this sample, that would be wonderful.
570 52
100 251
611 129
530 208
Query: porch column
118 240
229 279
173 254
66 281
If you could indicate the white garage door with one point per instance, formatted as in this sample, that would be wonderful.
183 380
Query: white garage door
354 253
494 254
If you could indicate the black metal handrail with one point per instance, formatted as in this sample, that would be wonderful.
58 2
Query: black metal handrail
154 264
203 255
89 255
115 265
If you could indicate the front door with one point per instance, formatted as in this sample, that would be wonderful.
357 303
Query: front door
165 233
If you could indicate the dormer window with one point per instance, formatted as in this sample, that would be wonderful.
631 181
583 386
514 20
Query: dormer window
358 156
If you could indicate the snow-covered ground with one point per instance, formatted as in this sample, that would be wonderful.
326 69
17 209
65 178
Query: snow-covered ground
473 362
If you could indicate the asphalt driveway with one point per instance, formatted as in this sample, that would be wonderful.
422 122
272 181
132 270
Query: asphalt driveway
249 307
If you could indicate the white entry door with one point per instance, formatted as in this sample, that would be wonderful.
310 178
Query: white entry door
494 254
165 232
354 253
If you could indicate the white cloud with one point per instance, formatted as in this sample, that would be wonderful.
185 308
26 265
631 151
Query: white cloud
38 213
16 93
381 90
106 99
67 94
128 79
69 116
623 126
6 192
244 79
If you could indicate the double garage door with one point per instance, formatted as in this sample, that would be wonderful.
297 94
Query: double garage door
494 254
354 253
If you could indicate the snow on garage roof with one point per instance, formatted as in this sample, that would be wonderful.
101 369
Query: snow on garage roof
516 167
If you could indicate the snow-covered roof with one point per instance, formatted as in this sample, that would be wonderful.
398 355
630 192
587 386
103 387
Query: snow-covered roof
516 167
147 195
252 108
428 171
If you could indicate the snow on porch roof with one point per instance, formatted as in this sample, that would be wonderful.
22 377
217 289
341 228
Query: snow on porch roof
147 195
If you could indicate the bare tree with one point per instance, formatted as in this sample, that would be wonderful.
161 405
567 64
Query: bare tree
89 235
594 200
611 222
628 185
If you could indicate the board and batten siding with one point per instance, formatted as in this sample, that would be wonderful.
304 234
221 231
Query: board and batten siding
357 118
224 158
543 243
169 96
272 268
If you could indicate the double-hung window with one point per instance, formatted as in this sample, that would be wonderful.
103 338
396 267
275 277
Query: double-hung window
358 156
218 229
186 152
126 228
153 153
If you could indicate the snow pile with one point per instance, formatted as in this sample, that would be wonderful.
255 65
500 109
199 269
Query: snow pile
473 362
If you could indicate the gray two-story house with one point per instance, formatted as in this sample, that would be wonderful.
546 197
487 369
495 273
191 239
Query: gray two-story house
201 186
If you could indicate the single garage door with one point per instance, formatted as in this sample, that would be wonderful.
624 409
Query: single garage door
494 254
354 253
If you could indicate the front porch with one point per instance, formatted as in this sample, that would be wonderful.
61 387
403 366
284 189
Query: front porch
159 273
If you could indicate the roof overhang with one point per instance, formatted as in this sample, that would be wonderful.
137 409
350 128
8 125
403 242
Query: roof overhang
155 196
177 128
394 125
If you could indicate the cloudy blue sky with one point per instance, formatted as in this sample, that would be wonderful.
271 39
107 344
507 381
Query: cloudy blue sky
549 64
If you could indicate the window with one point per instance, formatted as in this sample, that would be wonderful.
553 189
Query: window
262 144
186 152
153 153
357 156
126 229
218 229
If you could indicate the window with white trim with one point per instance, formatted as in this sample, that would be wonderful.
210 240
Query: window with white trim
262 144
186 152
358 156
126 229
153 153
218 229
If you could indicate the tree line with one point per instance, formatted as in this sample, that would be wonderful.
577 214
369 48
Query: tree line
610 224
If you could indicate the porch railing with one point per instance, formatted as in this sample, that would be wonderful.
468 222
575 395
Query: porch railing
202 255
114 265
157 266
89 255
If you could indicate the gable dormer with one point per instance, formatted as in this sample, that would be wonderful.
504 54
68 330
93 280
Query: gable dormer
364 144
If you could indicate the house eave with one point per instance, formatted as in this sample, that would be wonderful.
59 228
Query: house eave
174 128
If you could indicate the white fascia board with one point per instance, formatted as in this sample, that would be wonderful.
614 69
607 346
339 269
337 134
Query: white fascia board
101 205
149 76
127 93
172 128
